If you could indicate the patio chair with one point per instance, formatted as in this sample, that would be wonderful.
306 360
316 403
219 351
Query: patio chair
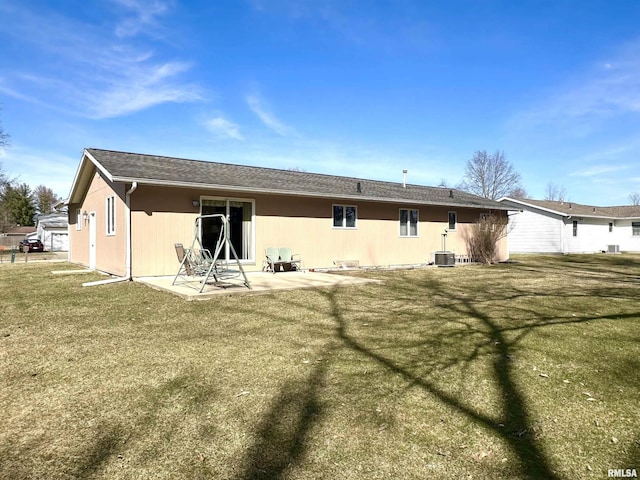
182 258
271 259
281 258
289 260
193 262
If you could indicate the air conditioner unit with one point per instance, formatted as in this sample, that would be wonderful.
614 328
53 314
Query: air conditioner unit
613 248
444 259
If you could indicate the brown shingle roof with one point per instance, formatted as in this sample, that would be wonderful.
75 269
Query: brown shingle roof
572 208
153 169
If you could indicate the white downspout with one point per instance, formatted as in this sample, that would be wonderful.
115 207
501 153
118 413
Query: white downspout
127 207
127 265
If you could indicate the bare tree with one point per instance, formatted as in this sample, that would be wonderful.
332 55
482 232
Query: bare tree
4 137
518 192
634 198
482 240
555 192
45 199
490 176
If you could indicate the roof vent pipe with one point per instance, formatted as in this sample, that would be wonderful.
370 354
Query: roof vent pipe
359 187
404 179
451 193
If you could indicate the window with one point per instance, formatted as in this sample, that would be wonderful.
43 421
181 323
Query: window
111 215
78 219
487 222
610 227
635 229
575 228
408 222
453 220
344 216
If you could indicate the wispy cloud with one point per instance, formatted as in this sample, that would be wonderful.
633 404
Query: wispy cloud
609 88
224 128
596 170
145 16
112 76
142 87
268 118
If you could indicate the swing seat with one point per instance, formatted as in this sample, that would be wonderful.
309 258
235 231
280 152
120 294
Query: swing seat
199 263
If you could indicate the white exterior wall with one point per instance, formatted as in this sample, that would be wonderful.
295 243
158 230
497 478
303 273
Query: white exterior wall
54 239
593 235
542 231
533 232
624 237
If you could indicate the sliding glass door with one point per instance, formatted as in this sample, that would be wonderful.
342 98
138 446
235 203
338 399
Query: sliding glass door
241 218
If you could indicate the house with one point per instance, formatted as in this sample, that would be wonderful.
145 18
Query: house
544 226
53 231
127 211
12 237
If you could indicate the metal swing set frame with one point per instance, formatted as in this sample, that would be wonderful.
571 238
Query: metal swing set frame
198 264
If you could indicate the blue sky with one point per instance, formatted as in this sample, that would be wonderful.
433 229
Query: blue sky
346 87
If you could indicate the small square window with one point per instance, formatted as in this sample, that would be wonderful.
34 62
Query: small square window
635 229
345 216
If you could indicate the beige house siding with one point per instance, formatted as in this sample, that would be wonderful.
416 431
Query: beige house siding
164 216
110 249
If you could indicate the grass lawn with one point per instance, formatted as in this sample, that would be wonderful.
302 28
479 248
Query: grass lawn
524 370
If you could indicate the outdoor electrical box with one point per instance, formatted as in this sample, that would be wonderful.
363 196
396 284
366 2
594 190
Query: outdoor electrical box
444 259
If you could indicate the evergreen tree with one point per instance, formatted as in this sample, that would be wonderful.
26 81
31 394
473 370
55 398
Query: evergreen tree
17 202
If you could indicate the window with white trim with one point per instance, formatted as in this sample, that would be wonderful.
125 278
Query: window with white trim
345 216
111 215
78 219
610 227
408 222
453 220
575 228
635 229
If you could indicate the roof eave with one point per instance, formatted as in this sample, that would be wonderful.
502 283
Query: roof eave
273 191
537 207
83 175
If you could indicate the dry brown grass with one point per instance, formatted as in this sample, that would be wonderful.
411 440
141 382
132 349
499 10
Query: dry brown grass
527 370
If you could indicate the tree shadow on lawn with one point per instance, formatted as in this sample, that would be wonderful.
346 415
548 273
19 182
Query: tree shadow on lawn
151 428
492 335
515 426
284 429
281 436
625 268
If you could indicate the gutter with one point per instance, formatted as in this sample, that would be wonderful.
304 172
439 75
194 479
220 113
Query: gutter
127 265
296 193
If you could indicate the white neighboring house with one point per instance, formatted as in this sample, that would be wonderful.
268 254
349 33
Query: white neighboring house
544 226
53 231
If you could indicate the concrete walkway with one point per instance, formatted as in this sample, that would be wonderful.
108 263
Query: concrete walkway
261 283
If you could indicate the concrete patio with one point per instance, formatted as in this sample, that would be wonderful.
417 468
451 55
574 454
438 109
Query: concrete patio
261 283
